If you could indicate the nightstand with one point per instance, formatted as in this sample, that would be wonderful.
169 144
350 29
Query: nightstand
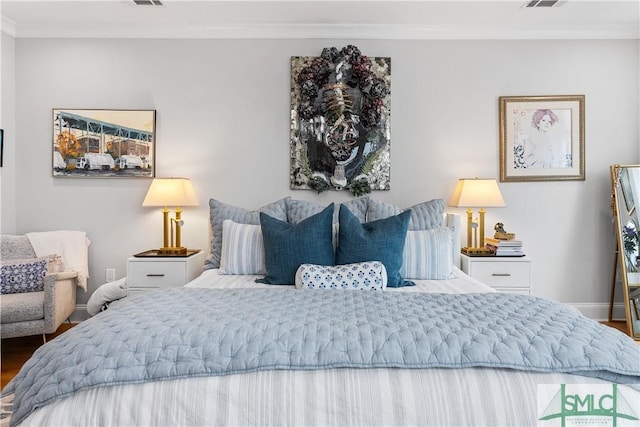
504 274
145 273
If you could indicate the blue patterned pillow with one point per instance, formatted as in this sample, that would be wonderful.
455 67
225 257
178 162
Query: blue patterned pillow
362 276
428 254
23 275
381 240
287 246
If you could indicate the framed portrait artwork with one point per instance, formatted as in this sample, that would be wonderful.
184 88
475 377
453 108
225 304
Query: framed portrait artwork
542 138
94 143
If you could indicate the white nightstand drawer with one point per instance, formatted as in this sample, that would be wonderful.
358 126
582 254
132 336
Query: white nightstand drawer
505 274
156 274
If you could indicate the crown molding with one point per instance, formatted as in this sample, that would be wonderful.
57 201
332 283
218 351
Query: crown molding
320 31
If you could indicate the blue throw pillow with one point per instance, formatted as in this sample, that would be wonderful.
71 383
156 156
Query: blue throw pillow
287 246
381 240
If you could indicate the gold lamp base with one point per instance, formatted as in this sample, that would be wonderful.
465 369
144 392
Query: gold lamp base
477 252
172 251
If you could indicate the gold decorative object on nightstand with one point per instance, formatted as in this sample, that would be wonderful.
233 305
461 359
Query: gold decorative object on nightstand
501 234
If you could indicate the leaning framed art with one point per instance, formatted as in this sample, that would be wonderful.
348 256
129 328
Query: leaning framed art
542 138
96 143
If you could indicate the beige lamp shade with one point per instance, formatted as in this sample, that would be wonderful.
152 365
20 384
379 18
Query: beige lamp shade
170 192
477 193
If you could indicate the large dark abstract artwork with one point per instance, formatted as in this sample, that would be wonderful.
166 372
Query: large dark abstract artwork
340 121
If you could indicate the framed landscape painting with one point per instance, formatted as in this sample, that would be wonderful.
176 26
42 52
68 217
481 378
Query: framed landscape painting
104 143
542 138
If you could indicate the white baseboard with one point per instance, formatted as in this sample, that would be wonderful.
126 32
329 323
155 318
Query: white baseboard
79 314
600 311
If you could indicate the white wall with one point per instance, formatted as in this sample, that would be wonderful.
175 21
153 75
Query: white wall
7 122
223 120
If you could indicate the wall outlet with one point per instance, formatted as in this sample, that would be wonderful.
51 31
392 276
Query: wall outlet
110 274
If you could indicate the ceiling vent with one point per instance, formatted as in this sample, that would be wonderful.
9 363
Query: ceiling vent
541 3
147 2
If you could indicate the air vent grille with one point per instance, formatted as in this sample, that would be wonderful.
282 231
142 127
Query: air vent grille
147 2
541 3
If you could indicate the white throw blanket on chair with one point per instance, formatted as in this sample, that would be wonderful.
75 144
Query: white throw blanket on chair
72 246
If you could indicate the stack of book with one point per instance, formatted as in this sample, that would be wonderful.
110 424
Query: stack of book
504 247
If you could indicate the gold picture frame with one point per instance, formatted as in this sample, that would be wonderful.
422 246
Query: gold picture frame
627 192
542 138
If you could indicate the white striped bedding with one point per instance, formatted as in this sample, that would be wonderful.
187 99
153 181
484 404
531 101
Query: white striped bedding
339 397
336 397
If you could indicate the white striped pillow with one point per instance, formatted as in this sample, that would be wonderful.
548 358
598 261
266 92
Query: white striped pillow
242 249
427 254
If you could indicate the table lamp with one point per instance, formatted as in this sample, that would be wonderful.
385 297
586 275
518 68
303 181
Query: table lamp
476 193
167 192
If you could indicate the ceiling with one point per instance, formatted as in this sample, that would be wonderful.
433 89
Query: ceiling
452 19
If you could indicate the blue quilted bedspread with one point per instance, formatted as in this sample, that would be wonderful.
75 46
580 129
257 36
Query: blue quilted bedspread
177 333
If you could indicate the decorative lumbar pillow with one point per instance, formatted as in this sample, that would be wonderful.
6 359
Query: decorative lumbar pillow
23 275
242 249
219 211
361 276
287 246
428 254
424 216
381 240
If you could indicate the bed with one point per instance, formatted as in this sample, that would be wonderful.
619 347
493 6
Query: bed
229 350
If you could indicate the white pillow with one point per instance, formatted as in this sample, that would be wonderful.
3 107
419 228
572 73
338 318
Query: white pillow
428 254
365 276
106 294
242 249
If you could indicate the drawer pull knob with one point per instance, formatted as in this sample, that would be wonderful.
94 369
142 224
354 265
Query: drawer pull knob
501 274
155 275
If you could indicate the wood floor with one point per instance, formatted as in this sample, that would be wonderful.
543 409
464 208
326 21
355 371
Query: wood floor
16 351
